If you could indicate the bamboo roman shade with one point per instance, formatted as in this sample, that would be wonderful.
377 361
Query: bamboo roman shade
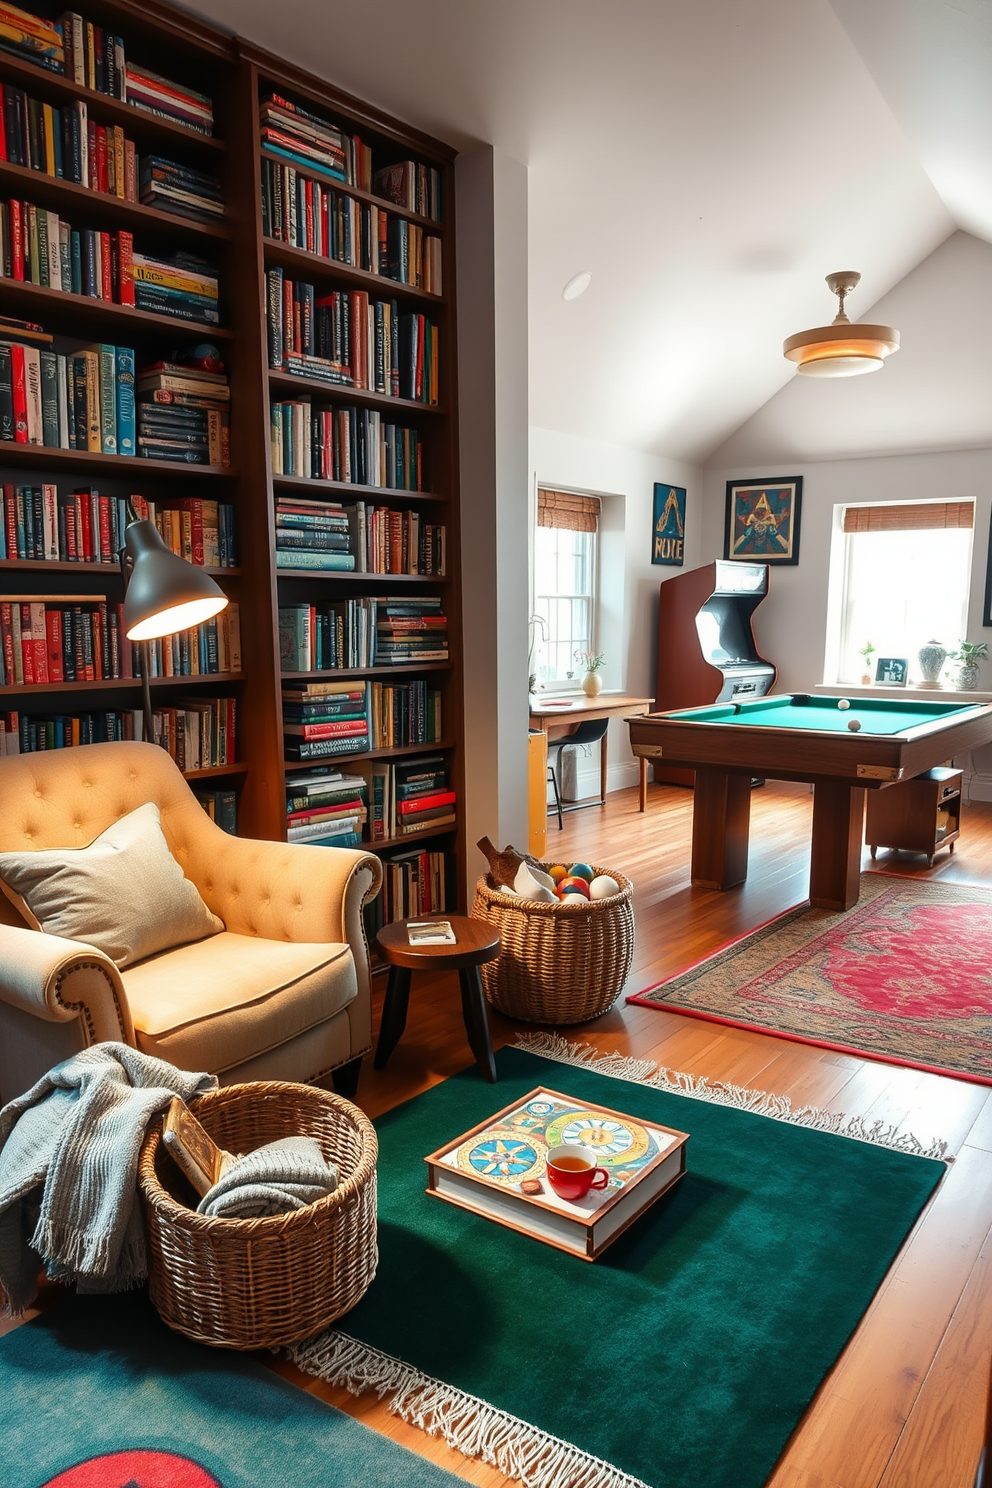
562 509
916 516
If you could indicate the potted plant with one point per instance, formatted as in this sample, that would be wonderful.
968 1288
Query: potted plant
867 651
969 655
592 682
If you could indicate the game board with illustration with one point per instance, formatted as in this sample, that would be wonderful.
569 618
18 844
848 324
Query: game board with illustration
499 1169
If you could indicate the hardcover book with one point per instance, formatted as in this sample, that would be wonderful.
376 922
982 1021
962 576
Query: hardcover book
499 1170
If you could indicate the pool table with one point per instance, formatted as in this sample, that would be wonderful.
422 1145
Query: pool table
801 737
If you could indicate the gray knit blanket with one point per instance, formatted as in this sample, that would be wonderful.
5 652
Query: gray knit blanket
69 1149
274 1179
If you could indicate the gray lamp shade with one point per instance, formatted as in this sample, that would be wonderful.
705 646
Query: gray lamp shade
164 592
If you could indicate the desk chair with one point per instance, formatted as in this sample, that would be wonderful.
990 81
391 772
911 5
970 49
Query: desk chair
590 731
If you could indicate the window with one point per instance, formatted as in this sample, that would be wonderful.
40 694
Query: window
565 572
907 576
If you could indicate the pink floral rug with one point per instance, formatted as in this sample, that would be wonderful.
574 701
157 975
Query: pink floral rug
905 976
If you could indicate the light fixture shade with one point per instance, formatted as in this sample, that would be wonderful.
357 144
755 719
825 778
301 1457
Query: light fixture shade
841 349
164 592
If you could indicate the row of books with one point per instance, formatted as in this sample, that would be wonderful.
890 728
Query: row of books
43 525
182 285
84 400
221 806
408 796
310 215
355 445
200 531
324 536
361 632
46 639
347 340
180 189
321 719
326 808
402 713
39 247
199 733
398 542
323 148
66 143
414 882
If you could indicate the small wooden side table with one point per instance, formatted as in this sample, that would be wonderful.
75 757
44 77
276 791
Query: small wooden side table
918 815
475 944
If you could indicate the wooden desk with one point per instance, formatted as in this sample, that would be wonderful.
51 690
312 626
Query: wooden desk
558 723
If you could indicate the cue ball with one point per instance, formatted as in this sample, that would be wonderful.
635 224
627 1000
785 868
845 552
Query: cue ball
854 725
843 704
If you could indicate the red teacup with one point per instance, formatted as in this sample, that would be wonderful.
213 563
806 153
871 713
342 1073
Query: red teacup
572 1171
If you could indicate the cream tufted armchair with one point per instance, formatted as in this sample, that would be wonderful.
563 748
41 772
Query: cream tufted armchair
282 993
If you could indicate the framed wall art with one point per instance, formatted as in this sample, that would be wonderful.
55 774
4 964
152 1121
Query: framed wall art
763 518
892 671
668 536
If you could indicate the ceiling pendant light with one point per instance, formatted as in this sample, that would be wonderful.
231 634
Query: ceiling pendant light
841 349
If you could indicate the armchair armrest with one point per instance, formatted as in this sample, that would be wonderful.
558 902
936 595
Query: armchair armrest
59 980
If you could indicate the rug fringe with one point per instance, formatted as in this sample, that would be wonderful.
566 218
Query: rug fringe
718 1092
517 1449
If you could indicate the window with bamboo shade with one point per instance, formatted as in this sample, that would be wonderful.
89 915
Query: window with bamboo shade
565 583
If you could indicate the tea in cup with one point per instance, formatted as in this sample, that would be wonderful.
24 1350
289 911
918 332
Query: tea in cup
572 1171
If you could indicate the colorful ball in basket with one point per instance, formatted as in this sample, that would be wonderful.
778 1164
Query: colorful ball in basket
574 885
582 870
558 871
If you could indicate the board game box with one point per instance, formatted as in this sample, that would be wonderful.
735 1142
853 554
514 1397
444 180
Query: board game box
498 1169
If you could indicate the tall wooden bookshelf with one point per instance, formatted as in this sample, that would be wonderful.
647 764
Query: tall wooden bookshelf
238 76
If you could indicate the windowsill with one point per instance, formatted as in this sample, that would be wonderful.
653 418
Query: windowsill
880 690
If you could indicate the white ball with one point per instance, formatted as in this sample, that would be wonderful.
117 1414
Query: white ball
843 704
603 887
573 901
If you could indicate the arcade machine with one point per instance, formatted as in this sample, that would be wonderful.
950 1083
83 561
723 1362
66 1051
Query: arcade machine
706 646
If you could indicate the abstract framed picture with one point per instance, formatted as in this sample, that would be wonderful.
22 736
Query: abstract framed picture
763 518
668 535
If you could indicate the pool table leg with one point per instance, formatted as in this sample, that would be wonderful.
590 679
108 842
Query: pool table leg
721 818
838 832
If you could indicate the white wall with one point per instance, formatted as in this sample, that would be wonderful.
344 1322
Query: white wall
790 624
629 597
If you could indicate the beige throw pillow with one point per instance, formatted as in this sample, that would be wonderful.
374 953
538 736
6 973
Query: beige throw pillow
124 894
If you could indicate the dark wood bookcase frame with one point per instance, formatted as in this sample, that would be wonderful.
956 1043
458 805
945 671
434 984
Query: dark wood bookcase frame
237 75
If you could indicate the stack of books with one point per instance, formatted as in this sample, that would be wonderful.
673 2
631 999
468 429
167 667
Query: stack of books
408 796
83 401
326 808
65 143
157 95
402 713
354 445
180 189
411 185
184 286
414 883
29 36
410 630
293 133
200 531
313 535
183 414
79 526
222 807
93 57
324 718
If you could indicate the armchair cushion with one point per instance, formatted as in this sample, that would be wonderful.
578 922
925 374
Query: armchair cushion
222 1001
125 893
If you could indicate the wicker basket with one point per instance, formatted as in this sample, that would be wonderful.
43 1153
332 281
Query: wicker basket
557 964
259 1283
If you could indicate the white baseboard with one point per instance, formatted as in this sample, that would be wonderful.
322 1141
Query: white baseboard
620 776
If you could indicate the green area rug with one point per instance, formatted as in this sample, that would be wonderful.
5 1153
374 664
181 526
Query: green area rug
98 1393
682 1358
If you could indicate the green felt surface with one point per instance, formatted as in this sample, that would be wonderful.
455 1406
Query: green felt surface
688 1352
876 716
102 1375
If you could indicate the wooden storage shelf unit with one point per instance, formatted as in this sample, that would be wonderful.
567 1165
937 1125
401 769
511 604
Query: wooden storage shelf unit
921 815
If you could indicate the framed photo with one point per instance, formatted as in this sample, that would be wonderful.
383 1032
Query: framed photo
668 538
763 520
892 671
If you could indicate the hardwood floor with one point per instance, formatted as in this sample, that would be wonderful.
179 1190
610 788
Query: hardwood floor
904 1406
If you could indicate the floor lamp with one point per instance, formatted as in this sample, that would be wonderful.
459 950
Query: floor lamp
162 594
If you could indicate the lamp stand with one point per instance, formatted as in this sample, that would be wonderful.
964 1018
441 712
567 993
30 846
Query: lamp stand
148 727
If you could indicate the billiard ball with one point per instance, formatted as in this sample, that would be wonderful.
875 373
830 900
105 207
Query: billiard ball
854 725
843 704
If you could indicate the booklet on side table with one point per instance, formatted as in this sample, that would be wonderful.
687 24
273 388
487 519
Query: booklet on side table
498 1169
430 932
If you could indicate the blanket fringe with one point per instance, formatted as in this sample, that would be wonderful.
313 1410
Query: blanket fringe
718 1092
515 1448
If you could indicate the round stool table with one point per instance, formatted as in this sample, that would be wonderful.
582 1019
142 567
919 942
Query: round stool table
475 943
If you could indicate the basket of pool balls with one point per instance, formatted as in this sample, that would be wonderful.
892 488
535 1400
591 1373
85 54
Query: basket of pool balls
567 939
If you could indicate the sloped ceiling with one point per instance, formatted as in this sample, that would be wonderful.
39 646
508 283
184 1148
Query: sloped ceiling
709 162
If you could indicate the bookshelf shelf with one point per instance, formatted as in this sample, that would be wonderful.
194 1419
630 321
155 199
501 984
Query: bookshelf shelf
107 684
404 670
214 772
105 570
92 317
378 495
427 223
300 261
326 575
288 382
46 457
409 838
398 752
80 205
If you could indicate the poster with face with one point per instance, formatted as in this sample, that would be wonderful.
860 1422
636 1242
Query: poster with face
763 520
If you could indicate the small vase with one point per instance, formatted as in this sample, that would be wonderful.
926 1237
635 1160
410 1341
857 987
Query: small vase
969 677
931 658
592 684
866 679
